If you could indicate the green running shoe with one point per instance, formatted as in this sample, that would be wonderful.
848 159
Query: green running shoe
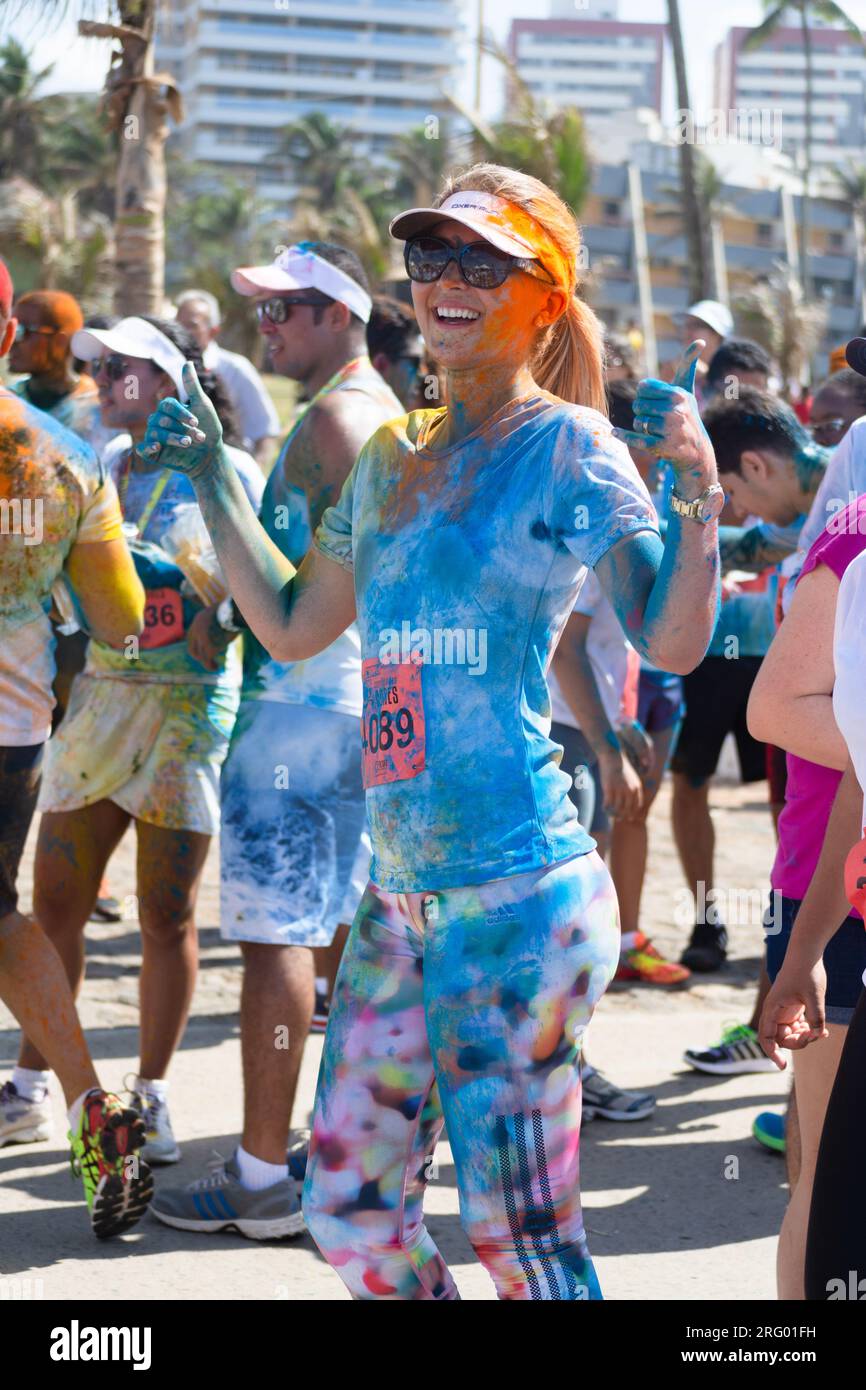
117 1183
769 1130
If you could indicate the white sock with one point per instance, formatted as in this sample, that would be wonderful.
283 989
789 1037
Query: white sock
157 1089
255 1174
31 1085
629 940
74 1111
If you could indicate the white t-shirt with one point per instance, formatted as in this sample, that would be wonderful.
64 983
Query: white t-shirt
609 652
257 416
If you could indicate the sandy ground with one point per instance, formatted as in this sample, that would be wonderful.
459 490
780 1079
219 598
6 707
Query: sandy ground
669 1214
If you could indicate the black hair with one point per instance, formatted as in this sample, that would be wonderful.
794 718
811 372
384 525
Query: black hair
620 403
849 382
344 260
95 321
210 382
615 345
755 420
737 354
392 326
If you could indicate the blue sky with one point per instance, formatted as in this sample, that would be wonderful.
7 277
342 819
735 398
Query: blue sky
80 63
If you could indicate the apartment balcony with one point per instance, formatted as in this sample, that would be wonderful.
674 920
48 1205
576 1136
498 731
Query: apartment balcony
424 49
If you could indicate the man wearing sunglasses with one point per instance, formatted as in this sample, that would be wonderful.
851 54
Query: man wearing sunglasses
42 348
294 851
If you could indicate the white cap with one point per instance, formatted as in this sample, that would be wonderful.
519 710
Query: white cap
716 316
132 337
483 213
299 268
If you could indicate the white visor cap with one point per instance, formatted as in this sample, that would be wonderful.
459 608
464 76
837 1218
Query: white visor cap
132 337
299 268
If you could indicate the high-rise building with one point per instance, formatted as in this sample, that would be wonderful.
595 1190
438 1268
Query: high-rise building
590 59
773 78
248 68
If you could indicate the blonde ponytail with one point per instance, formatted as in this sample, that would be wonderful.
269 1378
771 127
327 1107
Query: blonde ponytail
568 360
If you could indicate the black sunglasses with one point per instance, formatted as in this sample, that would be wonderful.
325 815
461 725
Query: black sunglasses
114 366
279 309
481 265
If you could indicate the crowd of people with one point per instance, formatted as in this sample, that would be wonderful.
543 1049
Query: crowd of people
424 675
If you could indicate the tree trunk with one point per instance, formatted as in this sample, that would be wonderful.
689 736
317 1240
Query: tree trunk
807 170
137 102
696 238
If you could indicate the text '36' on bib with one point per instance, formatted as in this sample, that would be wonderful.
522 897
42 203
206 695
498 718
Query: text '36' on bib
392 728
163 618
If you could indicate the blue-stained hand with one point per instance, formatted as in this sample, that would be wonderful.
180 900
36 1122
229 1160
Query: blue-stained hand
184 437
666 416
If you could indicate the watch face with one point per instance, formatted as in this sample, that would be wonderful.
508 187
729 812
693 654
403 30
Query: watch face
713 505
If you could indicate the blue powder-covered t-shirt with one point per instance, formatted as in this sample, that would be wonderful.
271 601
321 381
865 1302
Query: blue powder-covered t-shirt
473 556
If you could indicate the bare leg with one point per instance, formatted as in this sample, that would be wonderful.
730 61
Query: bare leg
327 958
169 869
629 842
276 1012
72 850
33 985
693 831
793 1156
815 1071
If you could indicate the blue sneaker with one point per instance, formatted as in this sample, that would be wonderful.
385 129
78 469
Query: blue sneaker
219 1202
769 1130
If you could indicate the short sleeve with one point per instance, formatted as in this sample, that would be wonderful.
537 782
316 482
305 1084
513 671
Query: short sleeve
589 597
101 519
594 495
334 533
844 479
840 541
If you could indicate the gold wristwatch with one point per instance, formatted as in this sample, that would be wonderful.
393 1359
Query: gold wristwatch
704 508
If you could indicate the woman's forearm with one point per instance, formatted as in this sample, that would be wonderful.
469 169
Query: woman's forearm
683 604
577 683
258 574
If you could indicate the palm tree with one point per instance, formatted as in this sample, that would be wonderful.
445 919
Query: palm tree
710 188
551 145
697 240
777 315
774 19
136 102
22 112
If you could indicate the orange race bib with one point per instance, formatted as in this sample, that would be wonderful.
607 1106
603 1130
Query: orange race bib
392 726
163 618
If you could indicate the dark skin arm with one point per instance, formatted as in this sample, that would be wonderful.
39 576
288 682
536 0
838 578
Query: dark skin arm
332 435
751 549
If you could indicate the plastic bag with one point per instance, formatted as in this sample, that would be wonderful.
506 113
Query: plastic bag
188 545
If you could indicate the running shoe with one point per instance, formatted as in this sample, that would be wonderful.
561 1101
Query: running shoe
643 961
769 1130
219 1202
23 1121
160 1145
601 1097
298 1153
320 1014
739 1051
106 1156
707 949
106 909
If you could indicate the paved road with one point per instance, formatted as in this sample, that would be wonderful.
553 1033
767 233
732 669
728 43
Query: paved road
669 1214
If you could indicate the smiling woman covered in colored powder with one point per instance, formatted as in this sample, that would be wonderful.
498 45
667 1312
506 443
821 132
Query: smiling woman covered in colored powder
489 929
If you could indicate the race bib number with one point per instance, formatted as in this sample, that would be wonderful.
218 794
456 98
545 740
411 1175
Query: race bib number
392 727
163 618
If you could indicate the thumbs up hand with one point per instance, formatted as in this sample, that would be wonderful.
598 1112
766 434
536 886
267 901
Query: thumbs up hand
184 437
667 420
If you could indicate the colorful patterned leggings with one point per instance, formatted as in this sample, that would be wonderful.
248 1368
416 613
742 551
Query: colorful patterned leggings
465 1007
